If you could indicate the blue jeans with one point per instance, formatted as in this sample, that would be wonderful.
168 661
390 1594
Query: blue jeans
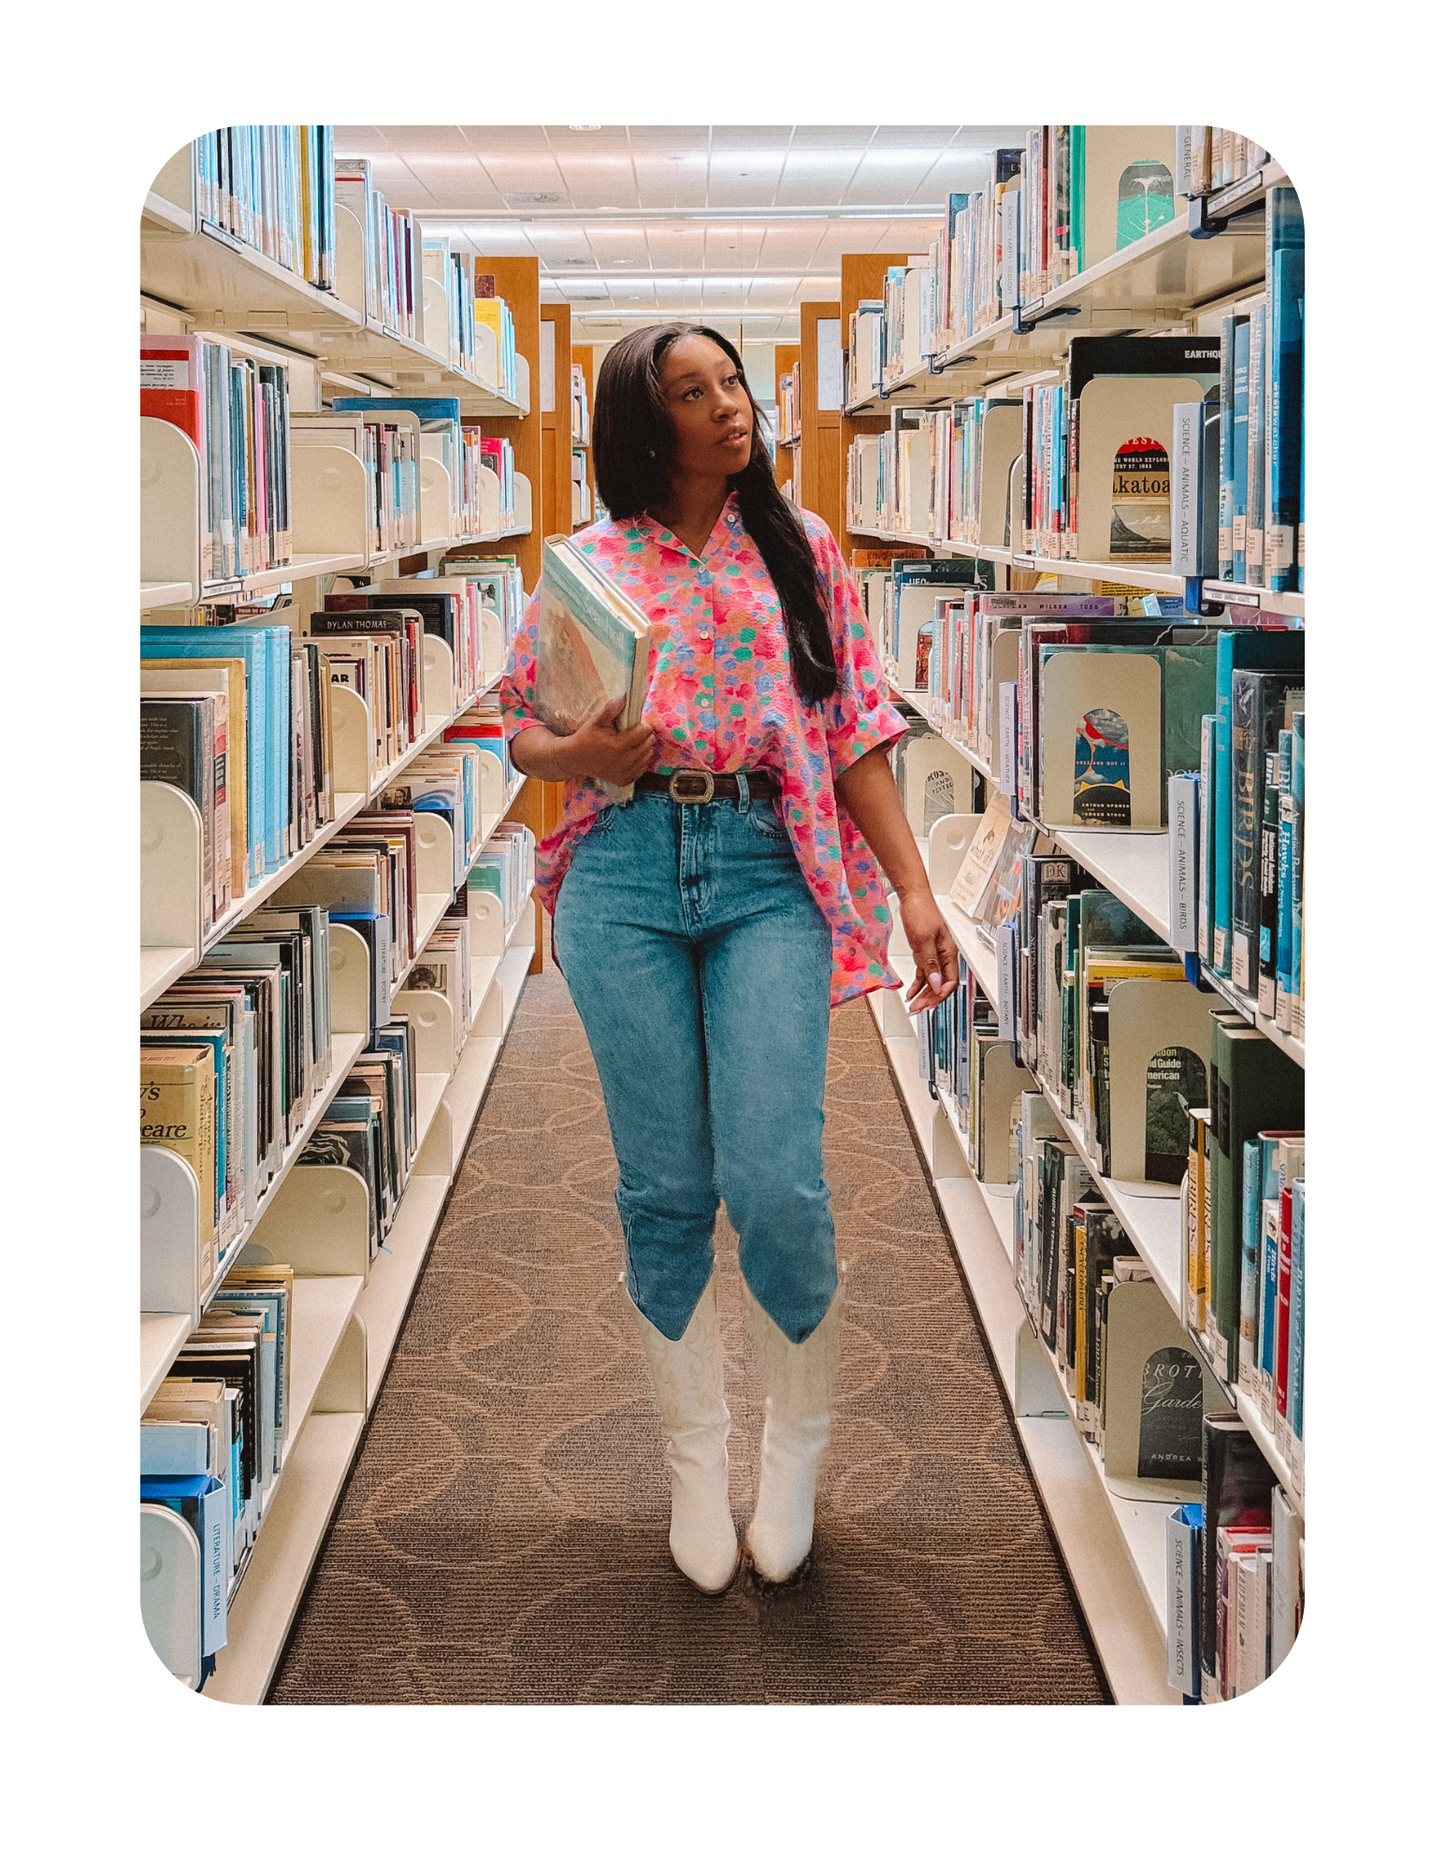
700 965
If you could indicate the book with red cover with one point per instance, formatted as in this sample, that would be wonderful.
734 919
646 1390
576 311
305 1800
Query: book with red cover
171 384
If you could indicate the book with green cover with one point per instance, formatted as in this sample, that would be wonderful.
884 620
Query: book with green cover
1253 1087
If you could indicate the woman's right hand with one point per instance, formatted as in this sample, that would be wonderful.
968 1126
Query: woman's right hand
598 751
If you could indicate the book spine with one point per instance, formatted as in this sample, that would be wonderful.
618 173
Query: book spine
1223 842
1297 869
1286 333
1182 1666
1225 520
1247 738
1239 449
1249 1261
1265 934
1258 437
1183 492
1183 879
1283 1302
1294 1380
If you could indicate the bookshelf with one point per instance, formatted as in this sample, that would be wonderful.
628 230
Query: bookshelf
1169 281
555 336
861 276
348 1308
582 356
819 457
785 466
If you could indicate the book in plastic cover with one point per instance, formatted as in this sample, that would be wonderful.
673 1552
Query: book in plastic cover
588 636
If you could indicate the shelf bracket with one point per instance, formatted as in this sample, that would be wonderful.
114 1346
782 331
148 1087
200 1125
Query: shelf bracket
1023 326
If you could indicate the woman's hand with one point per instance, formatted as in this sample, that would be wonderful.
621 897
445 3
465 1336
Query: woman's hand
599 751
934 949
596 751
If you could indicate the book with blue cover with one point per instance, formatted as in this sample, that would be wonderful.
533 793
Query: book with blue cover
201 1502
266 651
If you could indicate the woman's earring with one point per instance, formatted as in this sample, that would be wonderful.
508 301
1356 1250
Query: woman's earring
653 453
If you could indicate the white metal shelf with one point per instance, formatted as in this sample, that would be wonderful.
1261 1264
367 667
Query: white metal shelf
281 1562
394 1273
160 597
160 968
1248 1005
1103 1540
161 1336
158 973
346 1048
1152 1222
1154 282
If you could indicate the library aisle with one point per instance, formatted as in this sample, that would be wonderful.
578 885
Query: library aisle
503 1536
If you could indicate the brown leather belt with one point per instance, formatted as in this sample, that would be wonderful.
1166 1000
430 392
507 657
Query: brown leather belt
694 786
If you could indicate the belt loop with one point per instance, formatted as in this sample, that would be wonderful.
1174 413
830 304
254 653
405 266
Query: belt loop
743 795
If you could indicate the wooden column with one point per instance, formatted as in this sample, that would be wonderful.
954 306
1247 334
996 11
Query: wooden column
557 425
517 283
785 357
819 475
582 358
861 278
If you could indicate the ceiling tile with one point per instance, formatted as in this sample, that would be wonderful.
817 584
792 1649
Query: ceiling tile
853 136
525 175
668 136
676 251
750 136
734 247
888 176
598 181
790 243
503 139
618 246
359 139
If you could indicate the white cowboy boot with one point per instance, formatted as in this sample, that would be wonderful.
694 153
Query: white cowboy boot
798 1380
687 1380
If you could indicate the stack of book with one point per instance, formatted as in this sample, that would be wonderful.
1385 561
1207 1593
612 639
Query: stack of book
1234 1571
390 454
581 409
213 1437
271 186
237 717
452 273
1237 827
392 255
1208 158
495 314
236 411
232 1056
790 419
371 1125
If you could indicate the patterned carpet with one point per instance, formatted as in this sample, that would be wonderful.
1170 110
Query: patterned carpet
503 1537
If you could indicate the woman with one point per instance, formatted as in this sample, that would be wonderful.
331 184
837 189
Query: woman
705 926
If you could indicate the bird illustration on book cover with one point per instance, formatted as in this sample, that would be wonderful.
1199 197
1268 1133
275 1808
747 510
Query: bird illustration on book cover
1101 769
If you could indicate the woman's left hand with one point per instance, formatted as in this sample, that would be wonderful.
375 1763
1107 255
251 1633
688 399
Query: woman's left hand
934 950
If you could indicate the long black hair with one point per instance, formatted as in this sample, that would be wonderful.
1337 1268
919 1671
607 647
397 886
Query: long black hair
632 455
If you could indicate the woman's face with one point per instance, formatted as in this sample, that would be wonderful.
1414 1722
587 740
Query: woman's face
712 418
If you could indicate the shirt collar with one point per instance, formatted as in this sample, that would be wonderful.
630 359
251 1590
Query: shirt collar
729 526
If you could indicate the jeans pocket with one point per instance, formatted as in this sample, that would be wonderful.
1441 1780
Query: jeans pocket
765 816
603 823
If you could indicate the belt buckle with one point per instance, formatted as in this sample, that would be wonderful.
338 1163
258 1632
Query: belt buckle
703 781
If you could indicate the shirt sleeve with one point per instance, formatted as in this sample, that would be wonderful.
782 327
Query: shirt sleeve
518 689
858 716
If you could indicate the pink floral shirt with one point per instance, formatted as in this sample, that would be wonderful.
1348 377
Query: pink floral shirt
720 695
